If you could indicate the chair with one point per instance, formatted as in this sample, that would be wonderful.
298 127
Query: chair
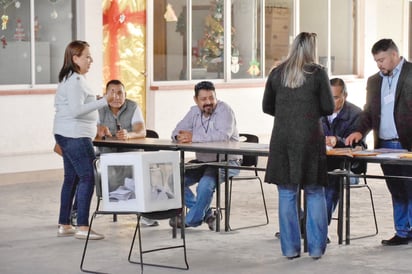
153 215
247 161
361 170
151 134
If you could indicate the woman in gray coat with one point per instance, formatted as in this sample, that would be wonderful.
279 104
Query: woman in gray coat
297 94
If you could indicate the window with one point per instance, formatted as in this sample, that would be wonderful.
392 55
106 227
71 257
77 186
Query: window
245 39
335 26
33 37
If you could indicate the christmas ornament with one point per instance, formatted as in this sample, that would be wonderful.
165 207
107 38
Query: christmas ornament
170 15
19 34
3 41
235 65
254 68
4 20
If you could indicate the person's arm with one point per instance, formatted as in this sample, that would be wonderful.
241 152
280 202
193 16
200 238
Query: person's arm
184 127
269 95
102 131
326 102
138 127
80 98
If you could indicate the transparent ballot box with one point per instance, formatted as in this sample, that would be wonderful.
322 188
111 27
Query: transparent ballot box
141 181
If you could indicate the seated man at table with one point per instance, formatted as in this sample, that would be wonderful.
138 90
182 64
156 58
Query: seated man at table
336 128
210 120
121 119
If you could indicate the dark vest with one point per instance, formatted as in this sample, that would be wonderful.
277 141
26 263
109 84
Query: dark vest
124 117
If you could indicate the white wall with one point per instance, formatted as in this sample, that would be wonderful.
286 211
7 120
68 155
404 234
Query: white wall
26 137
246 104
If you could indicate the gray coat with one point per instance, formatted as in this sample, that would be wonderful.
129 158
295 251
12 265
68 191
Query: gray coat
297 146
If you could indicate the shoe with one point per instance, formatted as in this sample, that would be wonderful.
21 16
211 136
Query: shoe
211 222
148 222
316 257
293 257
396 240
172 222
82 235
327 240
65 232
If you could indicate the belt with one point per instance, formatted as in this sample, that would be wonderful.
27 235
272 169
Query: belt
389 140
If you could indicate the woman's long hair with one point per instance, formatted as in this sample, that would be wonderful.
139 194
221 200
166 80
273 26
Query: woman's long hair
75 48
302 52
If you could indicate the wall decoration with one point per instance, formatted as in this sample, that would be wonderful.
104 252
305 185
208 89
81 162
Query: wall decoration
19 34
124 46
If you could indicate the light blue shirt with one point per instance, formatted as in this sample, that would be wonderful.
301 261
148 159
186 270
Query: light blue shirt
387 129
218 127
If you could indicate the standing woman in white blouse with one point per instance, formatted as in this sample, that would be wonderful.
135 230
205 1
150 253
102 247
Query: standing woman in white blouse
74 128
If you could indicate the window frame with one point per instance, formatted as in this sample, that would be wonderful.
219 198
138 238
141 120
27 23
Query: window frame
32 87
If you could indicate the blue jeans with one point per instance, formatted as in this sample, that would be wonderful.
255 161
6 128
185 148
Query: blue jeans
78 156
401 193
199 206
316 220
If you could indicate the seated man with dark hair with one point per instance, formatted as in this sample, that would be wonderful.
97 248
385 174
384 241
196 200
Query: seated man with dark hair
210 120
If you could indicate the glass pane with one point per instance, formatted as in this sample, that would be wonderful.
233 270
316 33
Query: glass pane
343 35
207 39
278 31
169 41
54 23
246 47
317 24
15 53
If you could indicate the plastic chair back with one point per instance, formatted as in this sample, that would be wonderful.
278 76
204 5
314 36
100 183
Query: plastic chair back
249 138
151 134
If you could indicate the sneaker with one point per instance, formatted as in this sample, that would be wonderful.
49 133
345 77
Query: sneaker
63 231
82 235
148 222
211 221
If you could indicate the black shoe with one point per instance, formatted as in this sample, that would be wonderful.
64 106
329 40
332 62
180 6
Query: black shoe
396 240
211 222
172 222
293 257
327 240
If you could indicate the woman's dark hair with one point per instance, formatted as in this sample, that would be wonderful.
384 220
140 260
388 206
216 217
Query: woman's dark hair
206 85
75 48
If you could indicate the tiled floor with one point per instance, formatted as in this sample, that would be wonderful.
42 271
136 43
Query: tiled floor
28 243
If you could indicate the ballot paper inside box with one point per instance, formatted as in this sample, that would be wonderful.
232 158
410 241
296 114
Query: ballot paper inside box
141 181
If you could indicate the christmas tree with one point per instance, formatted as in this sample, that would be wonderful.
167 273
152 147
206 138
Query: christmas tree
212 44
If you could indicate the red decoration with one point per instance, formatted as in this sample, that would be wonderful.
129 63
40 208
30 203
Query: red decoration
3 41
116 23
